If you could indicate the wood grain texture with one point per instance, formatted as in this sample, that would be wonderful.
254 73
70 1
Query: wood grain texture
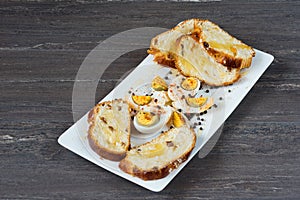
42 45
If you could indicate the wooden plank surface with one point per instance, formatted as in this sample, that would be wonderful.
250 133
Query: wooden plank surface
42 45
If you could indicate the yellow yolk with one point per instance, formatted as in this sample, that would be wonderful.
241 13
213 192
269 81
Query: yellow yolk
229 46
178 121
141 100
159 84
189 83
146 118
154 150
196 102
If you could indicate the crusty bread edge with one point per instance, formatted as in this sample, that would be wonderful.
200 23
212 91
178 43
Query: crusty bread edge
178 66
237 62
159 173
101 151
168 59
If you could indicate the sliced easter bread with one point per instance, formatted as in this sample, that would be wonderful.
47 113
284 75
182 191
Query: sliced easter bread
157 158
109 130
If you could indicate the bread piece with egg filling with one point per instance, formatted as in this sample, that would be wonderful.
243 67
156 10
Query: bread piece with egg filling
109 130
157 158
194 60
223 47
226 49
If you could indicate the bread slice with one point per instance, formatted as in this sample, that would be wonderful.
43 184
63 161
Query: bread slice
109 130
194 60
163 46
157 158
221 46
226 49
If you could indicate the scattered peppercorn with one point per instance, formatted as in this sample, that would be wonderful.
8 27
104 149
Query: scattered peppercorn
207 91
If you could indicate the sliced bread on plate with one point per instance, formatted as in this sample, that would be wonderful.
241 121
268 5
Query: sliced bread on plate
157 158
225 48
109 130
194 60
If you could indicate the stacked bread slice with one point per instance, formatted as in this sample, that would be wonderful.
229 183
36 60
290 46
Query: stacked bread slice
157 158
109 130
201 49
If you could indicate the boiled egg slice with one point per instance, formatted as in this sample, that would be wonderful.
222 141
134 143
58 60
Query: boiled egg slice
146 96
152 119
184 92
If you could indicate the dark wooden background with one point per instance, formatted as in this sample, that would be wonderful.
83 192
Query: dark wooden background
42 45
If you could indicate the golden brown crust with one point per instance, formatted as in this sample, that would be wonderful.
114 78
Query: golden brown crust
225 59
161 58
229 61
157 172
102 151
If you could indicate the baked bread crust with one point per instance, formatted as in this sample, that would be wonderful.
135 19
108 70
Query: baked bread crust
97 129
229 51
193 60
158 170
220 45
164 53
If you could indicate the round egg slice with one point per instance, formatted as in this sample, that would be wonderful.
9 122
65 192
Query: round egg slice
151 120
146 96
182 87
183 91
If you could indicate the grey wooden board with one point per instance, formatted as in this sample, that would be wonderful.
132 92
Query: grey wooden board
42 45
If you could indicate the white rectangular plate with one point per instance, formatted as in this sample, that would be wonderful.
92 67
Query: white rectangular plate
75 140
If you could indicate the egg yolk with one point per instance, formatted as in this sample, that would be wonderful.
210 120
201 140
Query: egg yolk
159 84
141 100
147 118
154 150
196 102
178 120
189 83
